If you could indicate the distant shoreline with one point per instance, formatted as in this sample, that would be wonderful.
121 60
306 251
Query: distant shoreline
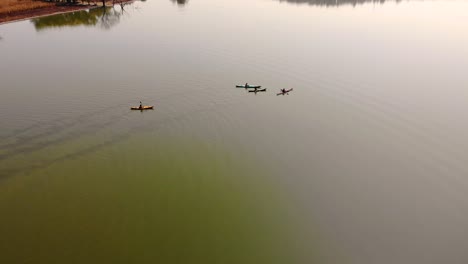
46 11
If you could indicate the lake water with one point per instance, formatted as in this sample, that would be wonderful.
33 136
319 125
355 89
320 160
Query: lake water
364 162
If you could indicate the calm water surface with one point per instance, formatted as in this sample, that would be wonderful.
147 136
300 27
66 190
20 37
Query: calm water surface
364 162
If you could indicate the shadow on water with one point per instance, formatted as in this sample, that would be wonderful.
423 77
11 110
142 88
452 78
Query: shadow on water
104 18
337 2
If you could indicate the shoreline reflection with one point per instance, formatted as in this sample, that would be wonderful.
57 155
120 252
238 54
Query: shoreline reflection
104 18
329 3
180 2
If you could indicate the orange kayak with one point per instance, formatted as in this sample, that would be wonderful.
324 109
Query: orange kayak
146 107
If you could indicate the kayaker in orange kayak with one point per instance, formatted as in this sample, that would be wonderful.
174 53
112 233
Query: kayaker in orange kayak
142 107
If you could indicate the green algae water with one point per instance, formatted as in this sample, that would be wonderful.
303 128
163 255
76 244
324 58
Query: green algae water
364 162
145 201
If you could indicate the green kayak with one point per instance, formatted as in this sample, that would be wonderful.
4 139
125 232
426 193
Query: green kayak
248 86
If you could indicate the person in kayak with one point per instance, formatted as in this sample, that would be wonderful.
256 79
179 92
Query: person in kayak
141 106
246 85
283 90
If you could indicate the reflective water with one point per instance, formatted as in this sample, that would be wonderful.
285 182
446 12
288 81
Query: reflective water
364 162
331 3
98 17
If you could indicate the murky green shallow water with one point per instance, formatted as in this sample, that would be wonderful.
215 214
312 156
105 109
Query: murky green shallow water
364 162
171 201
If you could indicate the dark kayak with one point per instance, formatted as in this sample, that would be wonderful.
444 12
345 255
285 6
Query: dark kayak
146 107
285 92
257 90
248 86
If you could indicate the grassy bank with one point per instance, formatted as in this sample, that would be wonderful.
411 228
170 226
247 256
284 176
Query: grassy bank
12 6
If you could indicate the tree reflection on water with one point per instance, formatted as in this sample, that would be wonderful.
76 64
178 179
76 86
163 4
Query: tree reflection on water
337 2
180 2
104 18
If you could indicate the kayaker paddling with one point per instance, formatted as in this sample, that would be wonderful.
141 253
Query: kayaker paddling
247 85
142 107
283 91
